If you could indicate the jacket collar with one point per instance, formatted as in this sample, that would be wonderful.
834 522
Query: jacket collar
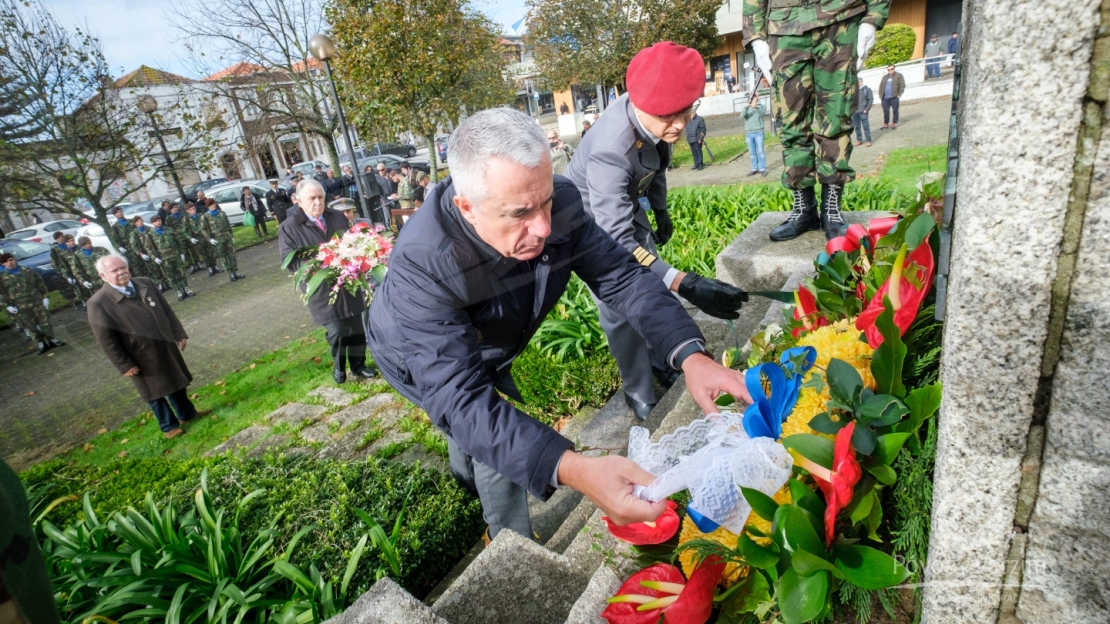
647 143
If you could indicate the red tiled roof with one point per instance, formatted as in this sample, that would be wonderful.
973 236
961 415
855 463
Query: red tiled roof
148 77
241 68
312 64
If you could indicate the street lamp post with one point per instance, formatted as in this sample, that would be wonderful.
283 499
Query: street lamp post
148 105
323 48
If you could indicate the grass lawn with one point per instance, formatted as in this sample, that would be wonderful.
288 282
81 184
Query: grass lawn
725 148
236 401
245 235
904 166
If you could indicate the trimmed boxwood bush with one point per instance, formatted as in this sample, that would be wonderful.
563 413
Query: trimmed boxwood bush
552 390
442 521
893 44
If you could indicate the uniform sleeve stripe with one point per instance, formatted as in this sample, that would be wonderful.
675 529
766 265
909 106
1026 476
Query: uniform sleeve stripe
644 256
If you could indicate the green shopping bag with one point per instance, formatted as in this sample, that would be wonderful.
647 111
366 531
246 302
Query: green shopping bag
248 219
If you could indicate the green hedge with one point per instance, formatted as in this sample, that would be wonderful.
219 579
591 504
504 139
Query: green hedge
442 521
893 44
552 390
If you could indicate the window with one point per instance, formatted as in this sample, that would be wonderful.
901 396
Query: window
21 235
56 227
226 195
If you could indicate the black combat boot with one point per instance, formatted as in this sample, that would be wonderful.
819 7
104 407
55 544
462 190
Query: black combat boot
239 275
831 220
188 293
54 342
44 345
803 217
211 271
231 275
181 294
193 269
218 269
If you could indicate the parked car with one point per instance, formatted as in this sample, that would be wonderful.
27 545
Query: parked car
441 148
44 232
399 149
100 239
191 190
393 162
37 256
227 196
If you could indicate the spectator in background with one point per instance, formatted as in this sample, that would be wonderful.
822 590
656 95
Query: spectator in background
422 182
954 43
385 184
249 202
143 339
319 176
585 127
695 134
405 194
933 50
349 181
860 119
560 153
891 89
753 128
333 187
564 109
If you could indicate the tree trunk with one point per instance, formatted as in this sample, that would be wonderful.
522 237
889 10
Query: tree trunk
434 160
600 99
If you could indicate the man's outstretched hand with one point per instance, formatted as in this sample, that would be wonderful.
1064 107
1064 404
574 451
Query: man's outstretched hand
608 482
706 380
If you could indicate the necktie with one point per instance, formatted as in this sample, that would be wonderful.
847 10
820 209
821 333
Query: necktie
320 224
129 293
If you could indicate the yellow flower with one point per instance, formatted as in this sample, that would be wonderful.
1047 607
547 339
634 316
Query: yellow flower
841 341
733 571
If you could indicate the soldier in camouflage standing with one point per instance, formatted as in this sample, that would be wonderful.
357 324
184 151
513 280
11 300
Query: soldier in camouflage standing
60 260
176 222
217 229
202 250
166 245
143 246
85 265
812 49
25 296
122 229
69 253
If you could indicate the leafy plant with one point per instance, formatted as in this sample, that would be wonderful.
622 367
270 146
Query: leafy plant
893 44
572 328
386 544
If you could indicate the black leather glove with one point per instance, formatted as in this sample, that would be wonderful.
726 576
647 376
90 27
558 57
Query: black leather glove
664 228
711 296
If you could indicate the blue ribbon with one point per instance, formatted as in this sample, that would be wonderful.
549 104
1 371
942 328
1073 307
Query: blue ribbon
705 525
764 417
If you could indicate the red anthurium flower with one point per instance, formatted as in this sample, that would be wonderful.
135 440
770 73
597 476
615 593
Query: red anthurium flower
905 296
642 533
838 483
660 590
358 227
805 310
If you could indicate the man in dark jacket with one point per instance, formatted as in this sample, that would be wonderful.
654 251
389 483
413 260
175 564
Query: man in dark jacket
473 274
304 230
891 88
277 200
695 134
143 339
860 119
249 202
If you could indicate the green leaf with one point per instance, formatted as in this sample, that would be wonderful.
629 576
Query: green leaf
793 530
725 400
845 384
886 362
753 592
923 402
888 446
808 564
763 506
885 474
801 598
874 519
919 230
293 573
352 565
863 440
807 500
822 423
815 448
763 557
379 272
317 279
882 410
868 568
862 507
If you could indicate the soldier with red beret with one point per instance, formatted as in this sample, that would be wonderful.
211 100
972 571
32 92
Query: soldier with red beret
621 170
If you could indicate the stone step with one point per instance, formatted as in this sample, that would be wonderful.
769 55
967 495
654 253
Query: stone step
387 603
587 609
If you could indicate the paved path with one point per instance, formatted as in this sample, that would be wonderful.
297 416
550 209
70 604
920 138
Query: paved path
75 390
922 123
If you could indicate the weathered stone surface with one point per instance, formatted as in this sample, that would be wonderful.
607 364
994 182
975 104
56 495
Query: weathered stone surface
574 426
1003 265
587 609
274 441
293 414
333 396
245 438
427 459
387 603
1073 494
346 447
1065 577
593 543
372 407
548 516
753 262
571 526
320 432
391 437
514 580
774 311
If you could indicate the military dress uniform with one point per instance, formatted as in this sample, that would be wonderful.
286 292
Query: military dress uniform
166 244
620 169
24 291
813 47
217 230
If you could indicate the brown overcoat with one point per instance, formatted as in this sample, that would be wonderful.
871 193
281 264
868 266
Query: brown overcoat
141 332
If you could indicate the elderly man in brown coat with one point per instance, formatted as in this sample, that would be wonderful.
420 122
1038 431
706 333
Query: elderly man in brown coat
143 339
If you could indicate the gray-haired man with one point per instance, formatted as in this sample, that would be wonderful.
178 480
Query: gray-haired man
472 275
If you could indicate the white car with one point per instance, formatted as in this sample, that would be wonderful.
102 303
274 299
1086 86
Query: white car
44 232
227 196
100 239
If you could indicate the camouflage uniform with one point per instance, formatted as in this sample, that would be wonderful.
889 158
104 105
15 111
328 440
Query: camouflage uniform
85 265
217 227
123 234
180 226
25 291
203 252
167 246
813 59
405 195
141 245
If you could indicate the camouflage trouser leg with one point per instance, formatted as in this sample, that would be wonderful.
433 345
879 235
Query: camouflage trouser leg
138 266
194 255
814 95
226 251
174 270
34 314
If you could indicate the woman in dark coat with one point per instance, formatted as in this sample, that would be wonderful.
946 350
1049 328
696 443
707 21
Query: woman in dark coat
143 339
308 226
249 202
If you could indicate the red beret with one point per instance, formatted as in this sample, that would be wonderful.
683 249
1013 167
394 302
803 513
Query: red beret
665 78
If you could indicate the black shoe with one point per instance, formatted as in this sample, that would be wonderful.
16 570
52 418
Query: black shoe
763 173
211 271
365 372
192 269
54 342
239 275
189 293
218 269
666 378
803 217
752 173
831 220
43 348
339 377
231 276
181 295
640 410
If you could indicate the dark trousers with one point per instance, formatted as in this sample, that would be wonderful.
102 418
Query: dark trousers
260 222
179 402
695 149
862 124
504 503
347 338
888 104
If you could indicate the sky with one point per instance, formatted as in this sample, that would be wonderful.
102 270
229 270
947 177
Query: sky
135 32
